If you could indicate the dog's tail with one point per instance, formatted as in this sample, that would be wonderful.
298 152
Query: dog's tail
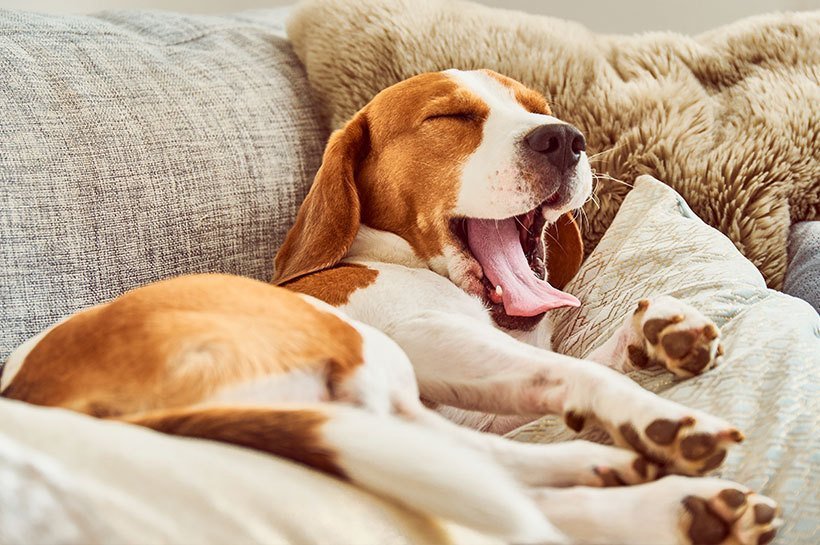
401 460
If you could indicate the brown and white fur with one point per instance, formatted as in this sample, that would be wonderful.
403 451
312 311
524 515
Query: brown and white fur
385 315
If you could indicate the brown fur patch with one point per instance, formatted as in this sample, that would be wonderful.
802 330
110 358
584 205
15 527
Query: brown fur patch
575 421
565 250
292 434
400 194
334 285
370 174
176 342
532 101
328 220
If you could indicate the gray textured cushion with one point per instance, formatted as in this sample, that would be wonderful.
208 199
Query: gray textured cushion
803 274
141 145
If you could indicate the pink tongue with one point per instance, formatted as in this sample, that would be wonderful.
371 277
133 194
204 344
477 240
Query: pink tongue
496 246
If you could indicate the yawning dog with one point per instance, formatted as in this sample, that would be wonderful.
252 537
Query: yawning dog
415 283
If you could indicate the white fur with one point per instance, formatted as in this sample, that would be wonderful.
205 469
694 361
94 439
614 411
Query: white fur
385 372
401 292
376 245
296 386
434 473
461 359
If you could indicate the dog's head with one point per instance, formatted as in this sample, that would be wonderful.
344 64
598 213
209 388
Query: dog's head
472 171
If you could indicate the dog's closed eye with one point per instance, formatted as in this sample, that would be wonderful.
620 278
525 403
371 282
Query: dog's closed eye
458 116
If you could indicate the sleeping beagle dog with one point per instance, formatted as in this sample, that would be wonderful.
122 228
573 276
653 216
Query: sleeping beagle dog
410 305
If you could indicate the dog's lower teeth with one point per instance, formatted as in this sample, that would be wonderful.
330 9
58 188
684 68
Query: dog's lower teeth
494 295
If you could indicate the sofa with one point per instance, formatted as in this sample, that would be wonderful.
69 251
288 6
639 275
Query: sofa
135 146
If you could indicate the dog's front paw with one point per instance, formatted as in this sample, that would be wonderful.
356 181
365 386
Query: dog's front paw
678 439
674 335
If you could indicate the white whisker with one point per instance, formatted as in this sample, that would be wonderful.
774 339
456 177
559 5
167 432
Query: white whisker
547 232
601 175
518 221
613 148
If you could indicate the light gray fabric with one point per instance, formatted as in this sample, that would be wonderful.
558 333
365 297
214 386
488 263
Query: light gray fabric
803 273
141 145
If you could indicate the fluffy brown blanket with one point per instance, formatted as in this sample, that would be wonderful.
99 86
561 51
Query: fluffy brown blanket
729 118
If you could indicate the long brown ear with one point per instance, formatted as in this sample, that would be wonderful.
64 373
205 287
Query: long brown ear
328 219
565 250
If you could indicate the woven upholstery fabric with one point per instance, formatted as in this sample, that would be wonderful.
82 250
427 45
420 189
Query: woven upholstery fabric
141 145
803 274
767 383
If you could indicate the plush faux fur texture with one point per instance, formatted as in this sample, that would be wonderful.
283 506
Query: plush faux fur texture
729 118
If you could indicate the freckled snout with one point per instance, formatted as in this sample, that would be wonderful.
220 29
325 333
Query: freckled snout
560 143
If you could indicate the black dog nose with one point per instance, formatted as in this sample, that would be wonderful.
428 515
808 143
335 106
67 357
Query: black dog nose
562 144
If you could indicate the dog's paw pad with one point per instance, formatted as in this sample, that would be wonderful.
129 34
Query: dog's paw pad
663 431
575 420
638 471
653 327
609 476
730 517
676 336
680 446
638 356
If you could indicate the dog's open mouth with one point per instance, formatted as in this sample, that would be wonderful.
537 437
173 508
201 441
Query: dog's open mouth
511 253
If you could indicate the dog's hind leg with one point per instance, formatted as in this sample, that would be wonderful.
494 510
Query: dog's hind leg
404 461
671 511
